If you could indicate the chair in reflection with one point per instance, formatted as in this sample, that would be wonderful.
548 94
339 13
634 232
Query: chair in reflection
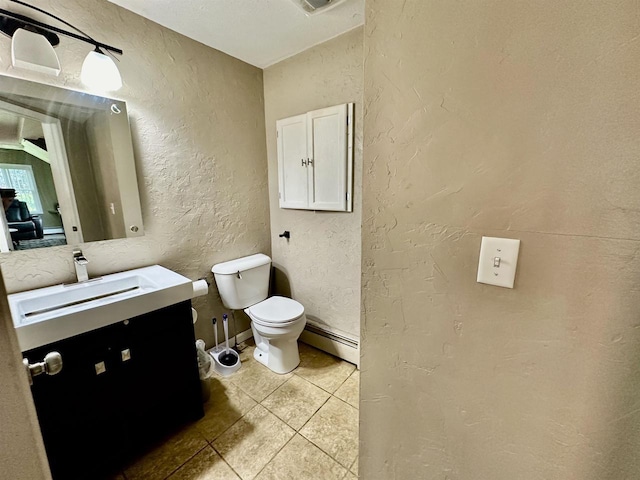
22 225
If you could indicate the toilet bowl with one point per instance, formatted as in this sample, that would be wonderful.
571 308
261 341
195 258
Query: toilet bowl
277 322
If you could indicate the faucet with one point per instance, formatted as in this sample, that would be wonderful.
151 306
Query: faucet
80 262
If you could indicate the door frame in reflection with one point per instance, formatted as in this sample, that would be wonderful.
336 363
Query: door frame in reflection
60 171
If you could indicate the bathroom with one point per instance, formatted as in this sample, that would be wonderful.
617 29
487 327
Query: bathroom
503 119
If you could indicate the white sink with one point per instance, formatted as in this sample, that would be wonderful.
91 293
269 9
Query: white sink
50 314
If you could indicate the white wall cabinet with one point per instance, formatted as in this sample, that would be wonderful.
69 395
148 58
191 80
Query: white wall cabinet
315 159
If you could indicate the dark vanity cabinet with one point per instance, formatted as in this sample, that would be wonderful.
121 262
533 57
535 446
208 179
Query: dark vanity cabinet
122 388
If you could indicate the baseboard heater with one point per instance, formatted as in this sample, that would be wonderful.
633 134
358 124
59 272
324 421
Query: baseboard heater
333 342
336 337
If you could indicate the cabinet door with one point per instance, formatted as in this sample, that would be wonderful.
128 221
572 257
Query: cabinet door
327 147
292 162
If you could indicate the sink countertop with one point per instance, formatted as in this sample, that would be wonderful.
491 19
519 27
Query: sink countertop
50 314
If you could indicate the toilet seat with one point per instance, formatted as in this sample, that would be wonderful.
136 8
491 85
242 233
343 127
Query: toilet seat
276 312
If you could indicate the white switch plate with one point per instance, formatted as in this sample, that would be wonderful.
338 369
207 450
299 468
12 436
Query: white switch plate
492 249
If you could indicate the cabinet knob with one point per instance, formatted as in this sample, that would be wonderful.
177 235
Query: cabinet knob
51 365
303 162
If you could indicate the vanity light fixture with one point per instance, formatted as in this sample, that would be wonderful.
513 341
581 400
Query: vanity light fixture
32 51
32 48
100 71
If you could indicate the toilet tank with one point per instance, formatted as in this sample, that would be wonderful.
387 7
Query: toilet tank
244 281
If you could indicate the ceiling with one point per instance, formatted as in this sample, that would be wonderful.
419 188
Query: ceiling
259 32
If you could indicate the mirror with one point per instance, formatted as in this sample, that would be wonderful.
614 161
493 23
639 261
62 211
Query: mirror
67 172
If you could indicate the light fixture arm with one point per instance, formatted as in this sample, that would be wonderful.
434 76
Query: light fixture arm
36 23
61 20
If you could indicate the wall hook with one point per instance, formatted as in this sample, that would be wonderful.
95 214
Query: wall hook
286 234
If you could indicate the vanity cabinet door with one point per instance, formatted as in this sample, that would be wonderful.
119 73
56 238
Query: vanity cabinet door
77 408
162 381
121 388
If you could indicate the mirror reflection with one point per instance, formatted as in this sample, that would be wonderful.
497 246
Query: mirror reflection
67 173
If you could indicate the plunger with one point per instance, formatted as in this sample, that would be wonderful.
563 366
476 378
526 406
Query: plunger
229 357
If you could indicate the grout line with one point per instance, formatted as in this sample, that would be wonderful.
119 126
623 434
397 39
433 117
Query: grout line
321 388
188 460
226 429
225 461
311 383
314 414
325 452
347 404
345 381
276 454
354 462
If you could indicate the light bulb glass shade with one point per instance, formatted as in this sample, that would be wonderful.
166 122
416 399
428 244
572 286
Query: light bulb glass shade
100 72
32 51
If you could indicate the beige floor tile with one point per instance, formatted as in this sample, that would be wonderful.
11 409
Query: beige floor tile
334 428
206 465
257 380
161 461
349 391
354 467
350 476
296 401
253 441
302 460
225 406
321 369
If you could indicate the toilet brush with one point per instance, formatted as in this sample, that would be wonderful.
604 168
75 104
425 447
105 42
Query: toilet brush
215 333
229 357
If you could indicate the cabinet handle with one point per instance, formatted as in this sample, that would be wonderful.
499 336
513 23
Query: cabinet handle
51 365
309 161
304 163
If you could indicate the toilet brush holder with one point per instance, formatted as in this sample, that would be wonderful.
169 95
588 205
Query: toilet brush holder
225 362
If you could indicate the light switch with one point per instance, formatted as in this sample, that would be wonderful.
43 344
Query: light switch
498 261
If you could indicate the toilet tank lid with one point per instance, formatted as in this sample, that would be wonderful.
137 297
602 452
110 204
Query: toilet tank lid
240 264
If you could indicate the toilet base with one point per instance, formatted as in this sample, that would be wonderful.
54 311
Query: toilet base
279 355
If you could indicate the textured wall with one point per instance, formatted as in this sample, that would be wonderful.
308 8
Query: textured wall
321 262
514 119
22 454
198 131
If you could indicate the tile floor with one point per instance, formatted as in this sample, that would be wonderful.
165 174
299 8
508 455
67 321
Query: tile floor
257 424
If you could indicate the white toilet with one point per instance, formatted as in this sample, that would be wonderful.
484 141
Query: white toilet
277 322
